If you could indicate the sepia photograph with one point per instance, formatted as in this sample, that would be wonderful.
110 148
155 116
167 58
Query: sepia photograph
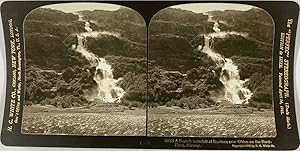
150 74
210 72
85 70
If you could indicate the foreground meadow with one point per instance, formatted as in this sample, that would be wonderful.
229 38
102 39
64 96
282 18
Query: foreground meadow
170 122
106 122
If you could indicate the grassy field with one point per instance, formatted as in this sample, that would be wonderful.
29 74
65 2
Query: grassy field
233 122
162 121
97 121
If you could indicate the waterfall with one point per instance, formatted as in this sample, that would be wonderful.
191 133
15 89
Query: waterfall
235 91
107 90
216 27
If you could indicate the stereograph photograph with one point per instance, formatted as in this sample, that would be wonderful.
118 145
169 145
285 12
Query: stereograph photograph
210 72
150 74
85 70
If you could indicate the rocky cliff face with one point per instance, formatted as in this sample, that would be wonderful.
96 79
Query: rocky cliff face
128 23
174 37
188 28
51 39
257 22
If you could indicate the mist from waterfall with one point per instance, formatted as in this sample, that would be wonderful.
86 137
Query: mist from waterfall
107 90
235 91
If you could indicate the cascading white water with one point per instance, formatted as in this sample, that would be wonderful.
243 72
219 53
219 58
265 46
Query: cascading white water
216 27
108 91
235 92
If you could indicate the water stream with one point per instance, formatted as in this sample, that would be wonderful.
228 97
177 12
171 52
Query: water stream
235 91
107 90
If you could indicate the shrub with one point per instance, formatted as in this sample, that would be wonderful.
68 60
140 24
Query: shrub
43 102
169 104
66 104
136 104
193 102
152 104
262 97
260 105
192 105
125 102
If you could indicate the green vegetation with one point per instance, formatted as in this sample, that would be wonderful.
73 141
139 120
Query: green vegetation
257 22
57 75
178 73
125 21
84 121
62 90
174 36
174 122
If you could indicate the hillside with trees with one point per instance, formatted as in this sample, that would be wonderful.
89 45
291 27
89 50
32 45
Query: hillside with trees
59 76
181 75
178 74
